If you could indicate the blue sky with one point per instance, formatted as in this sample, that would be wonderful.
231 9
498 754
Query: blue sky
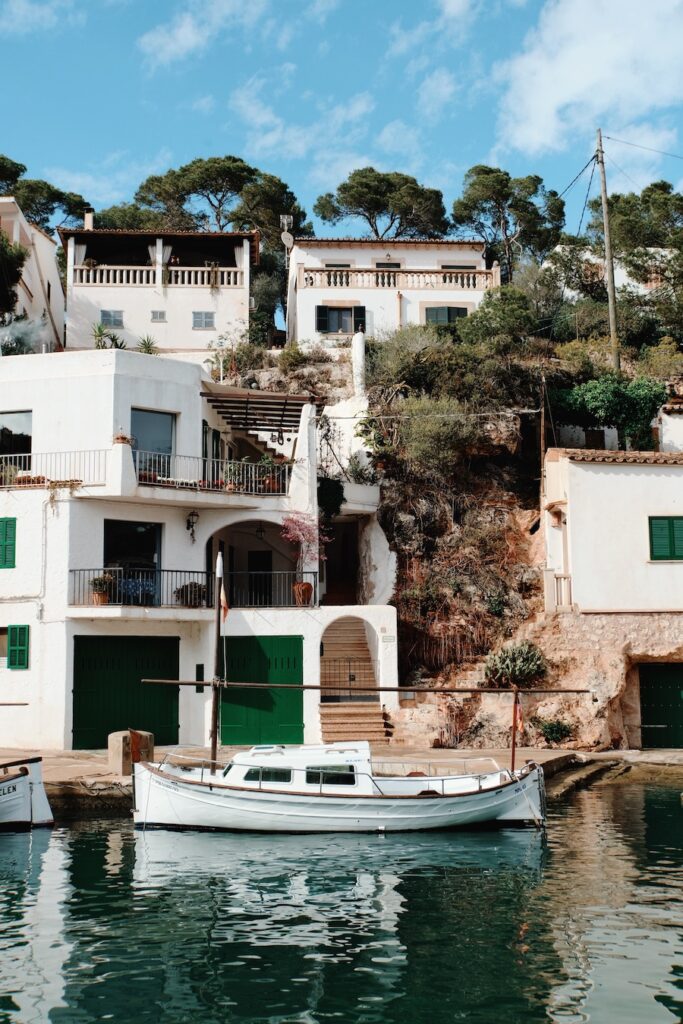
109 91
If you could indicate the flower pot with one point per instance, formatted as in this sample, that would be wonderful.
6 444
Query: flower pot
303 592
100 597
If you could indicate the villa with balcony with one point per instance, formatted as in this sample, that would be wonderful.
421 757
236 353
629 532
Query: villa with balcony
183 289
122 476
340 286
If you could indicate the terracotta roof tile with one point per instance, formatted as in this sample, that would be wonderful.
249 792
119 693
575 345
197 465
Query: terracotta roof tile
616 458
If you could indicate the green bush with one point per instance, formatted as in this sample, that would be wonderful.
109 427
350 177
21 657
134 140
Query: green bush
434 433
503 314
389 358
553 730
247 357
520 664
663 361
291 358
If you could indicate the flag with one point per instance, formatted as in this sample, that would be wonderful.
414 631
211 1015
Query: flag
520 716
224 601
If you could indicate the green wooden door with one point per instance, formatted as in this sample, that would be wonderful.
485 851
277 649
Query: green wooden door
109 694
661 705
263 716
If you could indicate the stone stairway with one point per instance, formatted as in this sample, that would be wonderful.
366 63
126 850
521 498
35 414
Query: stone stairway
345 666
354 721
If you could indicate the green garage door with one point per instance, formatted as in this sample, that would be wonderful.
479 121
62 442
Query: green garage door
263 716
661 705
109 694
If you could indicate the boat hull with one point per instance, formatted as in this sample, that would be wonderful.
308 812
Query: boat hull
15 802
166 801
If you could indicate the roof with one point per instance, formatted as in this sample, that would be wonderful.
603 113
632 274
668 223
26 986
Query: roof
305 756
248 409
253 236
29 223
615 458
392 243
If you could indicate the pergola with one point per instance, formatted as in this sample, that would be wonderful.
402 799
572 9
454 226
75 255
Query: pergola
249 409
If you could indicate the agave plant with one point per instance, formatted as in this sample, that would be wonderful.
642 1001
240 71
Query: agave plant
148 346
100 334
116 341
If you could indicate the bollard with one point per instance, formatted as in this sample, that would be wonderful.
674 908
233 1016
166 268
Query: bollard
127 747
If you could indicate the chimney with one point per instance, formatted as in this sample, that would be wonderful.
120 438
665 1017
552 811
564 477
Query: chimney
88 221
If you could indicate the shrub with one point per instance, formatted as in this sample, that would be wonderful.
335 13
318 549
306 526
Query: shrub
553 730
330 496
249 356
319 354
433 434
504 314
663 361
389 359
291 358
520 664
148 346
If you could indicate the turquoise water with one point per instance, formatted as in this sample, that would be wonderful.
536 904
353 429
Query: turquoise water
100 923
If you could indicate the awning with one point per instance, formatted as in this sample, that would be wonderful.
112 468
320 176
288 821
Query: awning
248 409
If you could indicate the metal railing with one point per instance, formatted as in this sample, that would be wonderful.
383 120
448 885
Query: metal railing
341 678
180 588
281 589
189 471
148 588
40 469
563 590
461 280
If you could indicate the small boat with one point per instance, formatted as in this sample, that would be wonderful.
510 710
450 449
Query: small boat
331 788
23 801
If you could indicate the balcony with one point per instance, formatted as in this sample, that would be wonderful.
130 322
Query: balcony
192 473
166 277
180 588
40 469
445 280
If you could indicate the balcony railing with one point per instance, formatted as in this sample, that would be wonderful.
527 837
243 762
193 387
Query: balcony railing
192 277
179 588
188 471
450 280
39 469
284 589
341 679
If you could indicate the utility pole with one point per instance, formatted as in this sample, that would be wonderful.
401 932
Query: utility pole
609 262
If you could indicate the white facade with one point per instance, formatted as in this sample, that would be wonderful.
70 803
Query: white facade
600 510
79 478
184 289
40 297
379 286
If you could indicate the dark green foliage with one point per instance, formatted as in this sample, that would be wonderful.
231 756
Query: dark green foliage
612 401
260 203
393 205
330 496
292 358
12 259
521 665
130 217
509 214
503 316
10 172
553 730
40 201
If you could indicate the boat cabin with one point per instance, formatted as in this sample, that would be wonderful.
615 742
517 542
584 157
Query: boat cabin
305 768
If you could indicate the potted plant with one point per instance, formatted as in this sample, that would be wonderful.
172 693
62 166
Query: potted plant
306 533
233 475
191 595
101 588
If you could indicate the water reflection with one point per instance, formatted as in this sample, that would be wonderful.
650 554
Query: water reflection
97 923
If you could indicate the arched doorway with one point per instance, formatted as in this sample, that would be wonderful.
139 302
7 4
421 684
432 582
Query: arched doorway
348 671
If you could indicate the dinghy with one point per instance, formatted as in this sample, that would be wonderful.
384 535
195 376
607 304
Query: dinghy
333 787
23 801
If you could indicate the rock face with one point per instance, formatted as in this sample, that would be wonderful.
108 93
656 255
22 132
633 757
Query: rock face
597 653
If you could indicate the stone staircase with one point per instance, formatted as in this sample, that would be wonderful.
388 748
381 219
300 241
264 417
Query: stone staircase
354 721
345 666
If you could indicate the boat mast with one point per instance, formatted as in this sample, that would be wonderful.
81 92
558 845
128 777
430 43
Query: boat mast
215 686
513 741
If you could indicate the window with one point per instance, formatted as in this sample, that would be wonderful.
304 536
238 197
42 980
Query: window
268 775
15 433
17 647
203 321
337 266
332 775
8 540
462 267
335 320
111 317
444 314
666 538
153 432
158 316
387 266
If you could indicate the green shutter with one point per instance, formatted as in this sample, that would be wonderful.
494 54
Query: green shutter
358 318
437 315
8 539
17 646
677 538
321 319
661 538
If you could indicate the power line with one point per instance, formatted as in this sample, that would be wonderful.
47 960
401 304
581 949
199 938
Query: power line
585 202
622 171
574 180
648 149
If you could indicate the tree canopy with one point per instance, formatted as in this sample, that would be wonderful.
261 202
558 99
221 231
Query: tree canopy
393 205
12 259
259 206
39 200
513 216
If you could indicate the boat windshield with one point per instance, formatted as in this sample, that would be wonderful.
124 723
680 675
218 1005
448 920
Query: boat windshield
227 769
331 775
268 775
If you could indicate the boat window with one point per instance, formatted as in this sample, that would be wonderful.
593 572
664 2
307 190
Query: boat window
268 775
226 770
332 775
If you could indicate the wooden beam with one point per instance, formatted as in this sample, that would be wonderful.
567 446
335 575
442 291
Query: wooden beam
357 689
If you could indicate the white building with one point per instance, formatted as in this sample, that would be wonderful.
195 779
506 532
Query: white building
613 525
184 288
338 286
40 296
107 552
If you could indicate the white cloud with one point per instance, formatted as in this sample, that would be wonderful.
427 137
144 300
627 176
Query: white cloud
436 92
449 27
195 26
332 166
629 168
203 104
20 17
320 10
120 178
586 63
399 137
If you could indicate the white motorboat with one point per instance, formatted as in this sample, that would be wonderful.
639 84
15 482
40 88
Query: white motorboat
332 788
23 801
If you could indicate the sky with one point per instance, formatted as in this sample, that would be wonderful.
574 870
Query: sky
107 92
